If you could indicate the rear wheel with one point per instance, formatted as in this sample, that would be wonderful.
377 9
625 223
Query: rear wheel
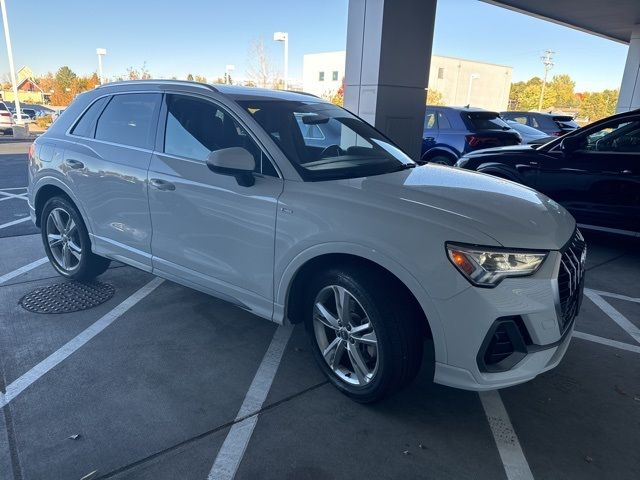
367 346
66 241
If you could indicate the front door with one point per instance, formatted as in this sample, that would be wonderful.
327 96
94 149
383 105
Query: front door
600 181
208 231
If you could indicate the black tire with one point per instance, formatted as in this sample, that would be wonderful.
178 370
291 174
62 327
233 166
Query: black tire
90 265
442 160
399 336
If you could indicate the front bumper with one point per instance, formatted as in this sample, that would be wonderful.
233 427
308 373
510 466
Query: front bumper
529 306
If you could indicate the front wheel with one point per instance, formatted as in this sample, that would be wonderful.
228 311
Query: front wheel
367 346
66 241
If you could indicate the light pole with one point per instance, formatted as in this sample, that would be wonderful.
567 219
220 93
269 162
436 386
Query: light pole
12 69
284 37
472 77
101 52
547 61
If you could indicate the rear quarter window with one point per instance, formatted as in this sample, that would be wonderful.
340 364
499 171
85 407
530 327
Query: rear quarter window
87 124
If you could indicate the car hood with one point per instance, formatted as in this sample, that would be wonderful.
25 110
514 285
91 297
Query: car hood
513 215
524 148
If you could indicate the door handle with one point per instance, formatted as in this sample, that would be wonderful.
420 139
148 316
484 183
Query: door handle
75 164
627 172
162 184
534 164
429 139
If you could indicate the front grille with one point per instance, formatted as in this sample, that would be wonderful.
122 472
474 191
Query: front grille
571 278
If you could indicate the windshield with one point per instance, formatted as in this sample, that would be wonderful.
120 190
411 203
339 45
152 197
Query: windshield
325 142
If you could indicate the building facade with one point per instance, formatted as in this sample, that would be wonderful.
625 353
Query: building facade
457 81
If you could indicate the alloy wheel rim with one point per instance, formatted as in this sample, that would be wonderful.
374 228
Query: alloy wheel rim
345 335
63 238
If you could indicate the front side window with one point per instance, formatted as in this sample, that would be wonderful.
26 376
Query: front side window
195 127
621 137
130 119
350 148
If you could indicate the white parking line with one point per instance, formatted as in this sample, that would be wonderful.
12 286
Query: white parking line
20 384
234 446
14 222
614 314
9 196
513 459
8 276
615 295
607 341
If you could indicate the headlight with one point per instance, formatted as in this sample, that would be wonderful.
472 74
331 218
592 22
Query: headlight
486 267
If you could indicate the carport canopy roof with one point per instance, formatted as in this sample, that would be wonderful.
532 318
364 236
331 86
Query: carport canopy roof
612 19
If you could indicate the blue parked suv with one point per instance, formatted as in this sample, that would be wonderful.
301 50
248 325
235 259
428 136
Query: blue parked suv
450 132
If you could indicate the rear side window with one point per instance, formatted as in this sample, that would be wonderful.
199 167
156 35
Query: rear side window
430 120
484 120
130 119
443 122
86 126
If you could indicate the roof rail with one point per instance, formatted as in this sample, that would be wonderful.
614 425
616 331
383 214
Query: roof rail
160 82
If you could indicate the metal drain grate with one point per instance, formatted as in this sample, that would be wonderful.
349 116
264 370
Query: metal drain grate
67 297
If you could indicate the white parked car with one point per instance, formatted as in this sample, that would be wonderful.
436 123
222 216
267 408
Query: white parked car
6 119
217 188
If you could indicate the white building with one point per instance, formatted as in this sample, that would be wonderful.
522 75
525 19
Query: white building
459 81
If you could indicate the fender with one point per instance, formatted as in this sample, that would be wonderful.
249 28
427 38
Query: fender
55 180
375 256
442 149
501 170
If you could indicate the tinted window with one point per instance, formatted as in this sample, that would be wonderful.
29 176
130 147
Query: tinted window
623 137
351 148
87 124
566 122
129 119
484 120
443 122
196 127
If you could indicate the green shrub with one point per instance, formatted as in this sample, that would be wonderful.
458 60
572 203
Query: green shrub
44 122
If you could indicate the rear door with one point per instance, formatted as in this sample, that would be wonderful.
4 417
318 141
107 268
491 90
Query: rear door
600 181
108 166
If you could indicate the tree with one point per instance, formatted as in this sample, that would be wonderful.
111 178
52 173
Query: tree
337 97
434 97
64 77
597 105
190 77
201 78
259 69
141 74
526 95
563 89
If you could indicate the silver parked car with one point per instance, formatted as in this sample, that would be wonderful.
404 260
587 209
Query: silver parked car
234 192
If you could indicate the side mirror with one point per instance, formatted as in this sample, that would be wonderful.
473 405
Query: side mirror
236 162
570 144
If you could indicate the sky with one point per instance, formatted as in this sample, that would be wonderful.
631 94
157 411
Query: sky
201 37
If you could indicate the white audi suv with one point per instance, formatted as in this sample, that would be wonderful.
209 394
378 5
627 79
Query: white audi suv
298 211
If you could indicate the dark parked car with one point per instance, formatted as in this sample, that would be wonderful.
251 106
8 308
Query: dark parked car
450 132
530 135
594 172
550 123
